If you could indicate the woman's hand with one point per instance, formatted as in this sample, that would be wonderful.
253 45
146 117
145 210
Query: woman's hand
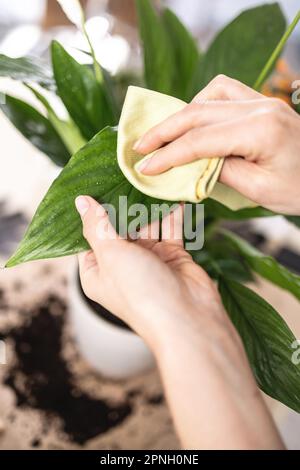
259 137
170 301
147 283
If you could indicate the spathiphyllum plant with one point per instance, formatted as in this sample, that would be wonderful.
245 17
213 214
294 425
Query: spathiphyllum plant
85 146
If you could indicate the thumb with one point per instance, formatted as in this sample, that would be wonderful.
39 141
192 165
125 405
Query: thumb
97 229
245 177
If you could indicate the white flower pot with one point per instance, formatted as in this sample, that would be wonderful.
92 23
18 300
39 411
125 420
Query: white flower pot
114 351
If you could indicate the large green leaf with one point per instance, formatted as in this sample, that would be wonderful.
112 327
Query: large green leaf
265 265
56 229
66 129
187 54
36 128
243 47
227 265
27 69
267 340
158 49
82 94
226 260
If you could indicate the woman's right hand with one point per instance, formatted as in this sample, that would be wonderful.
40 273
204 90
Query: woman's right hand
259 136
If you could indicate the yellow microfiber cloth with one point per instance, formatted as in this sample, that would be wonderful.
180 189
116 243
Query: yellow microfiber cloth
193 182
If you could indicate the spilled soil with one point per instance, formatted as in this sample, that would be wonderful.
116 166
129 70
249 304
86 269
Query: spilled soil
41 379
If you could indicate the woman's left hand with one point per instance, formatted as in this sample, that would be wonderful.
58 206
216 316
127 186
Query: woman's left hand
171 302
150 282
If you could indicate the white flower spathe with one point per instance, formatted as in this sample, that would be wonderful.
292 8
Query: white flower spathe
73 10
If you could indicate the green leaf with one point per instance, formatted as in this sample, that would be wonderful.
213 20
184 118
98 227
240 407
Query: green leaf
157 47
67 130
243 47
218 211
81 93
228 266
27 69
56 229
265 265
267 340
111 95
226 259
36 128
187 54
234 269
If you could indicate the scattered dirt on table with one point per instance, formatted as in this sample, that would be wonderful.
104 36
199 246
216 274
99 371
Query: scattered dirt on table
2 300
156 399
35 443
42 380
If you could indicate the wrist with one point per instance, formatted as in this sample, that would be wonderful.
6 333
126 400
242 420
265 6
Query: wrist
208 380
188 330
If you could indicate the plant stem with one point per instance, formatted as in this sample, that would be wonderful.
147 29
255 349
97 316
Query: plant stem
277 51
100 75
97 68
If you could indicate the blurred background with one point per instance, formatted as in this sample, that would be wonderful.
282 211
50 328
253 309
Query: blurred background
112 28
101 413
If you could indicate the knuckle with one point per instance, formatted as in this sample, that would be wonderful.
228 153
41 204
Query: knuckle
273 117
192 113
190 140
220 85
277 104
220 79
277 107
191 108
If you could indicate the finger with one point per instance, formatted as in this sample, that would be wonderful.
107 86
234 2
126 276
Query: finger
245 177
97 228
148 236
195 115
226 88
242 137
172 227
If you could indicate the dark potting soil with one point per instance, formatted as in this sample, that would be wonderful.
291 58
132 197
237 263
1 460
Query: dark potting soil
3 304
42 380
156 399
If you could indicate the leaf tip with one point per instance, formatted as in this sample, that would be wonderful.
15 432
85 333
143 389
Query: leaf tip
55 46
9 263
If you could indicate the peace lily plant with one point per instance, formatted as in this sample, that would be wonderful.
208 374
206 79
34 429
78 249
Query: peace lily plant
85 146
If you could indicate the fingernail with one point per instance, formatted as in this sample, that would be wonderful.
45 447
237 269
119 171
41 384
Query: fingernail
137 144
82 205
143 165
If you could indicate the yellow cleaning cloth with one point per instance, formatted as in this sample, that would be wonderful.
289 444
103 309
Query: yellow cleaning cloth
193 182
